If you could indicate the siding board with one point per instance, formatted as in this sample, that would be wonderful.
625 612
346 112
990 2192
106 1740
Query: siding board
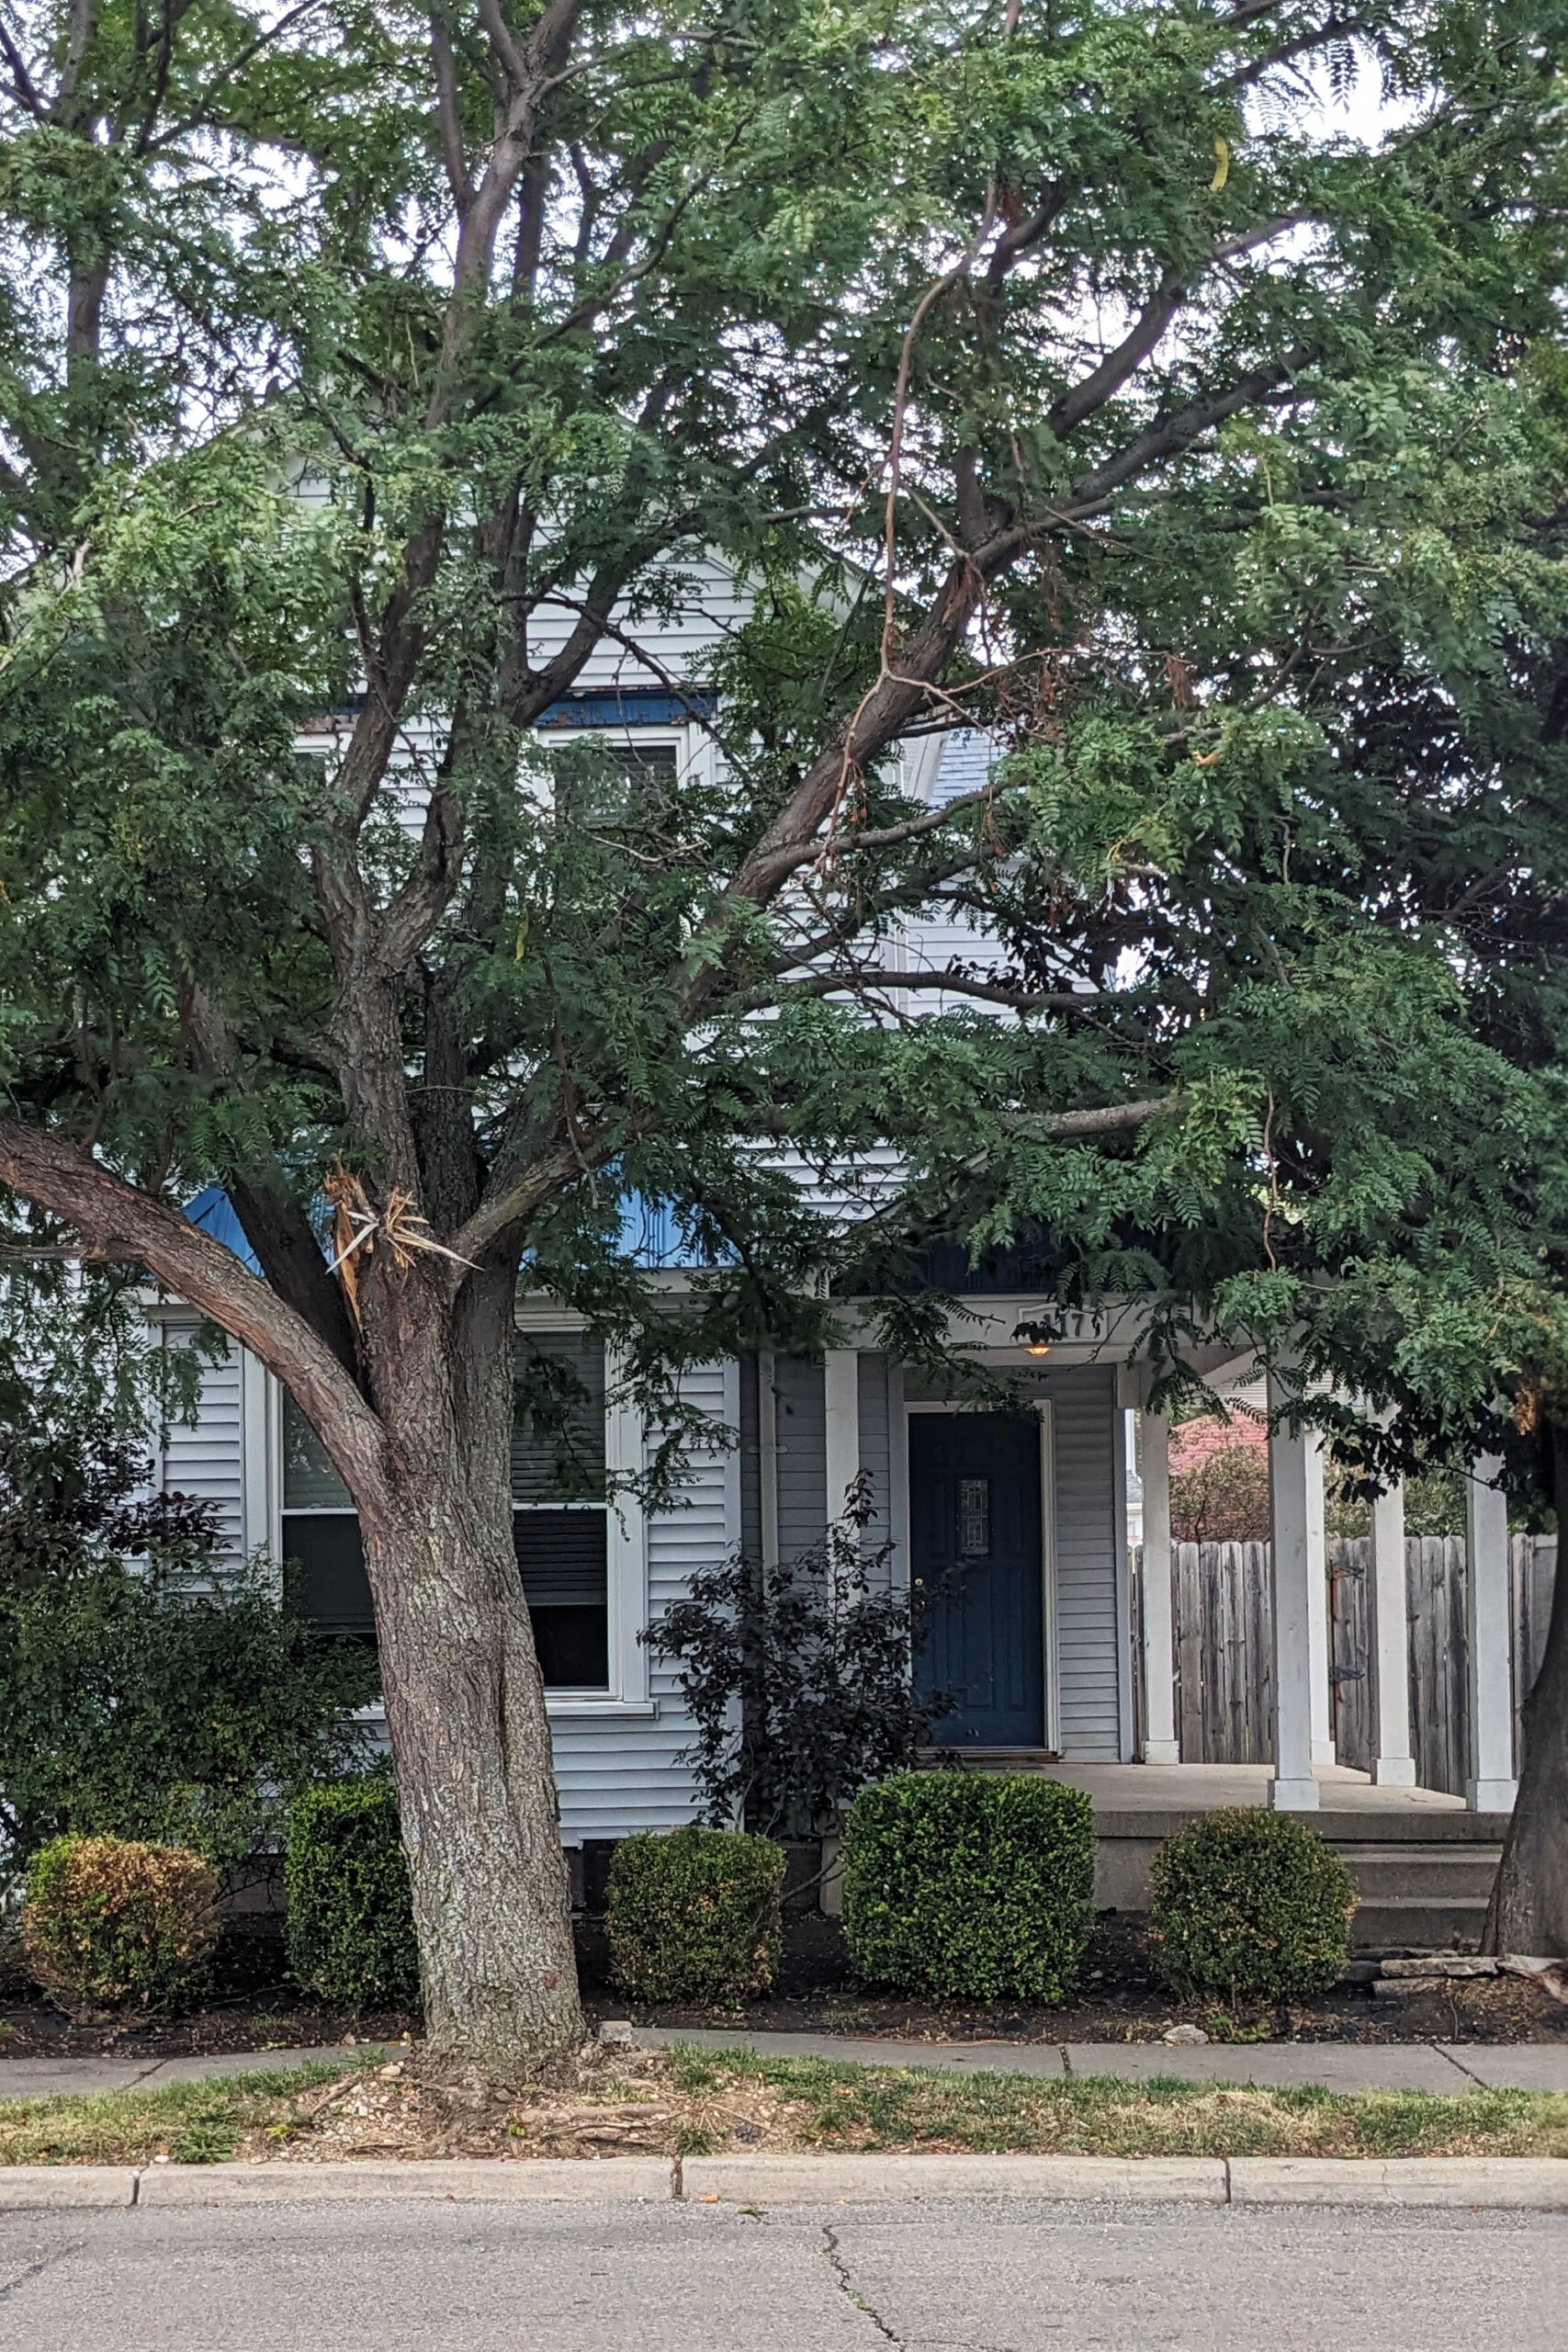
624 1773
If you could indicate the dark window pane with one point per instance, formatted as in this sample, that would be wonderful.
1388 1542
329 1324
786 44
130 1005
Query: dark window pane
310 1482
558 1433
333 1587
624 782
574 1648
562 1558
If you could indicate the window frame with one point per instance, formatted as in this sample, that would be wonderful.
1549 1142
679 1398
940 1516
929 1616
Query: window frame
625 1536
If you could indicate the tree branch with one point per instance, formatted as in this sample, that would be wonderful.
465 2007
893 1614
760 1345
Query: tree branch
1128 356
115 1220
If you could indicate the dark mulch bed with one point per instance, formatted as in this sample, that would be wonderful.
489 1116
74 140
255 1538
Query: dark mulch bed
255 2007
1120 1999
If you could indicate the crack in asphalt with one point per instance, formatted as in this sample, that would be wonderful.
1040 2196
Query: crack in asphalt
35 2270
840 2269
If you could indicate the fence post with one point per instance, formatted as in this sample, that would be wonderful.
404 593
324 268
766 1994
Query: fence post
1162 1743
1491 1787
1393 1765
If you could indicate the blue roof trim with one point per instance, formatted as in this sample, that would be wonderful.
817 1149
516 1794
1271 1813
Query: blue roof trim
628 707
215 1213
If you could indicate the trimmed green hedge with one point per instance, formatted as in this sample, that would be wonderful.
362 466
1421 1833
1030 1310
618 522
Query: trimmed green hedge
351 1933
1251 1906
695 1916
109 1920
969 1886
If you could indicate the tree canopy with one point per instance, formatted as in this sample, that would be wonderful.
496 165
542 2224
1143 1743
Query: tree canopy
1173 391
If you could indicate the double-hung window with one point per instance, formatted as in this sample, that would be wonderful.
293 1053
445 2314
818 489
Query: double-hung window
559 1517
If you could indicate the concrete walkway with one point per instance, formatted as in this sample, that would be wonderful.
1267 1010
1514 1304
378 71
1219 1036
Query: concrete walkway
56 2077
1441 2067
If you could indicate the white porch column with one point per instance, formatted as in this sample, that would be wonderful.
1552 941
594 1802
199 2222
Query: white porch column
1320 1640
1161 1742
841 1389
1393 1766
1492 1787
1294 1789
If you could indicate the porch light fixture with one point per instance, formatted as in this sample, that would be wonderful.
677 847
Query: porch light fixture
1038 1339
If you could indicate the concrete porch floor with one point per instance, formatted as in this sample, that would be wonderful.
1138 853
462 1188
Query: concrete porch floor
1201 1788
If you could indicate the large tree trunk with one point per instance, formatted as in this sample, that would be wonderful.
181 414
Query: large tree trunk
1529 1911
465 1702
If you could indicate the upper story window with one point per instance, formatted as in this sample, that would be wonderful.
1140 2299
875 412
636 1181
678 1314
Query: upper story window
614 779
559 1518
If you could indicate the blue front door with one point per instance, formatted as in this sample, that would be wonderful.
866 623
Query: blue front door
975 1555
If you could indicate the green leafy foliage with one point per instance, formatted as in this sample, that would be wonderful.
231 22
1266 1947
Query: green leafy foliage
694 1916
350 1921
1077 376
969 1886
131 1707
110 1922
797 1678
1250 1905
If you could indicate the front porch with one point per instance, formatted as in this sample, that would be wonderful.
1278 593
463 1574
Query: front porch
1423 1860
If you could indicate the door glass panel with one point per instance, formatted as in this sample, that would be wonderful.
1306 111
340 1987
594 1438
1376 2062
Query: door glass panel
974 1517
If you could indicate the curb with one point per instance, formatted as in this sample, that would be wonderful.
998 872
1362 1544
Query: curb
1516 2184
897 2181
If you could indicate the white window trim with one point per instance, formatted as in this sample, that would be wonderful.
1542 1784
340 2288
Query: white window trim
1051 1708
626 1546
693 745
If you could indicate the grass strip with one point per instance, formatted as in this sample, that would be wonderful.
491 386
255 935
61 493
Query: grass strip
190 2123
716 2100
872 2108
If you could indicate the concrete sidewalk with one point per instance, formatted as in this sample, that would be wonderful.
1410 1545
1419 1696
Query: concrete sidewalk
1441 2067
57 2077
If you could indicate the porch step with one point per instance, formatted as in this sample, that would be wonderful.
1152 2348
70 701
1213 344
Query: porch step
1430 1873
1407 1923
1428 1897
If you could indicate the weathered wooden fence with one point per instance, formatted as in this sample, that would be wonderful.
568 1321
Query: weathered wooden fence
1224 1623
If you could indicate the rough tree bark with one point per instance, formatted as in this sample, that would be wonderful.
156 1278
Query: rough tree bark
1528 1910
461 1685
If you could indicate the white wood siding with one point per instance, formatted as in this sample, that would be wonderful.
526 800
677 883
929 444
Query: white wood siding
208 1459
1088 1682
803 1454
620 1774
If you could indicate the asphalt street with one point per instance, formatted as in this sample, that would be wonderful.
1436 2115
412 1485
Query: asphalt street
948 2276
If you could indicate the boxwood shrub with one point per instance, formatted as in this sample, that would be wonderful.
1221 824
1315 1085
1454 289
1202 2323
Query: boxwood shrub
350 1922
695 1916
1250 1905
969 1886
111 1922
